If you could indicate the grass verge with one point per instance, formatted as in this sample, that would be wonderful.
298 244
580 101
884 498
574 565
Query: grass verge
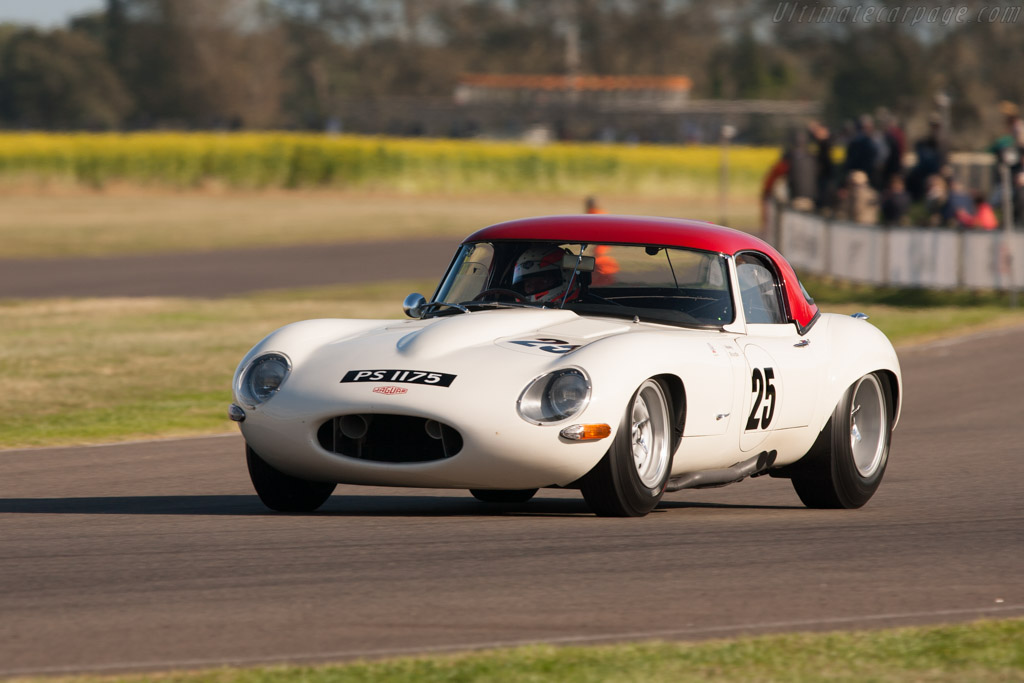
96 370
99 370
75 223
981 651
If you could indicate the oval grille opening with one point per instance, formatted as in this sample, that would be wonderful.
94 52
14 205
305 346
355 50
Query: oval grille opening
389 438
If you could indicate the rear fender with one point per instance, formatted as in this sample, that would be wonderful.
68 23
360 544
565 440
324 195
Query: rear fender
858 348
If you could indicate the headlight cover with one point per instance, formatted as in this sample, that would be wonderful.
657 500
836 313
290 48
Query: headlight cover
555 396
263 377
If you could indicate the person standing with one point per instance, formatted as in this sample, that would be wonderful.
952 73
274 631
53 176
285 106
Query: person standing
824 196
802 177
932 155
895 202
590 205
862 150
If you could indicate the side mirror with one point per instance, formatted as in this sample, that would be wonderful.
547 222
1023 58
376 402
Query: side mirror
413 305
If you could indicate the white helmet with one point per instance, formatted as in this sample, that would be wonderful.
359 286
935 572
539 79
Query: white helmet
539 275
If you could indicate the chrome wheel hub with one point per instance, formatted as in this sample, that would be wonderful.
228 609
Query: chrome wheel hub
868 425
649 434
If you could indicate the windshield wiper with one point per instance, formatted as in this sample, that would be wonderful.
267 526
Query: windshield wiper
458 307
501 304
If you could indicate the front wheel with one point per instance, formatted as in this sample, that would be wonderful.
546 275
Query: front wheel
630 479
846 463
283 492
503 496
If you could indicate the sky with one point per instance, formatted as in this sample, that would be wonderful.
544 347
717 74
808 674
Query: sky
45 13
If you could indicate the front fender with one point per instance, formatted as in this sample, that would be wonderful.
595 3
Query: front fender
301 339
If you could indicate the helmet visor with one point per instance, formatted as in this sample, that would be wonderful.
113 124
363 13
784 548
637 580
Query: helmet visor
541 282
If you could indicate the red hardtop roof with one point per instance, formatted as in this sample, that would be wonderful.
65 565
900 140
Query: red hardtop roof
665 232
608 229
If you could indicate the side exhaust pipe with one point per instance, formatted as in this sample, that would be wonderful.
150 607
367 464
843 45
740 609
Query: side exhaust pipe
730 475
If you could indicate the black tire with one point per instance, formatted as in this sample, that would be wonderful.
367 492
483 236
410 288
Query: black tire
629 481
283 492
845 466
503 496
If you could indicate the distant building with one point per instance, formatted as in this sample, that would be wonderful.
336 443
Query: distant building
541 108
531 90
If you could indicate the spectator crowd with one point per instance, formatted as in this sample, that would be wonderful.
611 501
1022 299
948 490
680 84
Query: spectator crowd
878 182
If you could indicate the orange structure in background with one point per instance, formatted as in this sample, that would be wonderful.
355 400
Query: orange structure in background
563 82
605 266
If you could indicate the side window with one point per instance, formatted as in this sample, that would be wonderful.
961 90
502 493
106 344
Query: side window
759 290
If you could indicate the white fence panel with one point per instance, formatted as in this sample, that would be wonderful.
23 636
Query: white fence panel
981 260
857 252
921 257
936 258
804 238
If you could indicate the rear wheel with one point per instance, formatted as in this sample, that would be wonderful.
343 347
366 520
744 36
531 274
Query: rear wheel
847 462
503 496
283 492
630 479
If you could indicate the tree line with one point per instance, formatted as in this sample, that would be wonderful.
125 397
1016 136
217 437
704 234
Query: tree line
297 64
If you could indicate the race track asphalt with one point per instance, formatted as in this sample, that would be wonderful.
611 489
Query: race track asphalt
228 272
158 554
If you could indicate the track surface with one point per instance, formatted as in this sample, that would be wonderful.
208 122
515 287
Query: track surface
158 554
222 273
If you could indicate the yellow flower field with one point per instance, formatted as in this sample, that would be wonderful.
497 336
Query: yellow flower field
414 165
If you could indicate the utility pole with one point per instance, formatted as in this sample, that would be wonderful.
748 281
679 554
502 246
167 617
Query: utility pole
1008 158
728 133
572 48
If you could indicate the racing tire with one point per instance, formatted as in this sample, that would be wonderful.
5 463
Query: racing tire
503 496
846 463
283 492
629 481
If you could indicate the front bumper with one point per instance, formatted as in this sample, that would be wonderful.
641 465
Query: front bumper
496 448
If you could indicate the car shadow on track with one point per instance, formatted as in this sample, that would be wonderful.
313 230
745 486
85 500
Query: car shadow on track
340 506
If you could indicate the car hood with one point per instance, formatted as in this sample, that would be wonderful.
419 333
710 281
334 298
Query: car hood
518 330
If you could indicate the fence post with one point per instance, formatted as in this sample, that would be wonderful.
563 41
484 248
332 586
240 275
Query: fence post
961 266
1006 253
886 231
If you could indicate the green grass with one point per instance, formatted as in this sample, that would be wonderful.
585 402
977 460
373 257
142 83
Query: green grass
95 370
981 651
70 223
99 370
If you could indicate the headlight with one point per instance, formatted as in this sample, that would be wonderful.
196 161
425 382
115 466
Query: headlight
263 378
555 396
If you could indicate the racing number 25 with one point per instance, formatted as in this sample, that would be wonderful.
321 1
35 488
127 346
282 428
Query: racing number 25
761 384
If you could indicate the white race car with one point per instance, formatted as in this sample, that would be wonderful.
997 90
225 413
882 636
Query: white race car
623 356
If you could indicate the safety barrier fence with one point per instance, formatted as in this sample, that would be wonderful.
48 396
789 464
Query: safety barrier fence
932 258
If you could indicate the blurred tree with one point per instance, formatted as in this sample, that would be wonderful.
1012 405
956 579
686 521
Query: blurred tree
749 69
263 63
877 66
59 79
195 63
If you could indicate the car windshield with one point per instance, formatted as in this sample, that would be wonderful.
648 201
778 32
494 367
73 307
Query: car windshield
659 284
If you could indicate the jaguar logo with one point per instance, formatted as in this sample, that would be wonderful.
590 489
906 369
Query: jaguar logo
390 391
